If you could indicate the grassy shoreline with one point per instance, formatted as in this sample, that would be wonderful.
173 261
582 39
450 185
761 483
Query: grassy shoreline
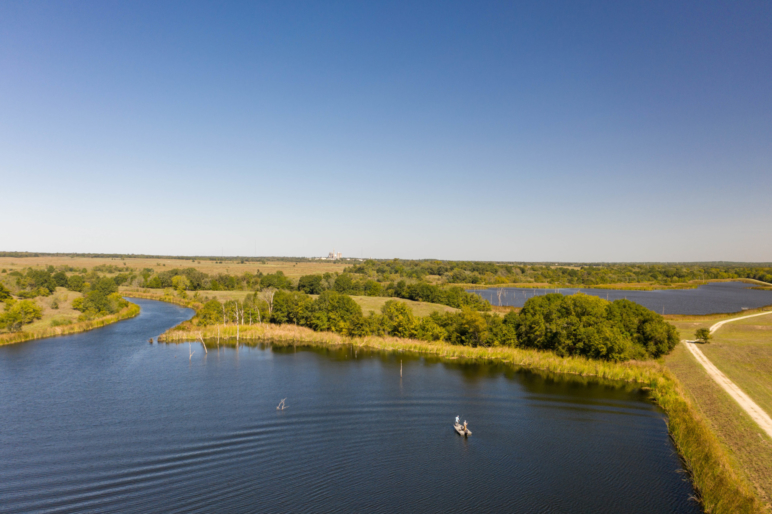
64 330
722 489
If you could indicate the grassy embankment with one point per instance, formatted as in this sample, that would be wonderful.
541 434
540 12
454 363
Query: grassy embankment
722 488
63 330
742 350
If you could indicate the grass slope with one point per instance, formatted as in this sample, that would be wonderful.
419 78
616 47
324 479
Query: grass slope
748 448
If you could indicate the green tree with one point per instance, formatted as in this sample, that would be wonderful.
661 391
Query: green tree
703 335
291 307
398 319
19 314
373 288
210 314
180 283
60 277
76 283
337 313
311 284
345 284
277 280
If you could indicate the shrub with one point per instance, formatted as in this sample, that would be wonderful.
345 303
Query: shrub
703 335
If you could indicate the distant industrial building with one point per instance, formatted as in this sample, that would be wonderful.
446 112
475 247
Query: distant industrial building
332 256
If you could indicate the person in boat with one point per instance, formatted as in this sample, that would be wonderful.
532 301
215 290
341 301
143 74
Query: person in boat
465 429
457 420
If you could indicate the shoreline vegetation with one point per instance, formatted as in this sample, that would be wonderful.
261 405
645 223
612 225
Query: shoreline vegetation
720 480
721 487
127 312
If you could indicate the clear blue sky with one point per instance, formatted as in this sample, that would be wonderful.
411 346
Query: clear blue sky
565 131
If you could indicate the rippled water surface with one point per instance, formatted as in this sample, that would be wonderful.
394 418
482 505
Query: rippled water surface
711 298
105 422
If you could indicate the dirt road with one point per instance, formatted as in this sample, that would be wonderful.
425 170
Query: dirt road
755 412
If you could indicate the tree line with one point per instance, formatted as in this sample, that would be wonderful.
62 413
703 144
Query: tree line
470 272
567 325
191 279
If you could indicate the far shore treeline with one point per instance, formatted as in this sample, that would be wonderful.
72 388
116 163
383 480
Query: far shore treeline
568 325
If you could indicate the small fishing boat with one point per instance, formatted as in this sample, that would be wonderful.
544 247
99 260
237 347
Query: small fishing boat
462 430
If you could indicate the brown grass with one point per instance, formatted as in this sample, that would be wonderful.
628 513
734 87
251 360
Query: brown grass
65 312
291 269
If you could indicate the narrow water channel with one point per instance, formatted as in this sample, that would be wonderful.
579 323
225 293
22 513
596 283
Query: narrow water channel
104 421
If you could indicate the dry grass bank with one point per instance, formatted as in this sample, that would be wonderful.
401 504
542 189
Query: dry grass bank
749 450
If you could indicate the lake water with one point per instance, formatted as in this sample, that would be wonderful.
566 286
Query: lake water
717 297
105 422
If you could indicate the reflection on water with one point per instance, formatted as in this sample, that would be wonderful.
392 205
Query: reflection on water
711 298
103 421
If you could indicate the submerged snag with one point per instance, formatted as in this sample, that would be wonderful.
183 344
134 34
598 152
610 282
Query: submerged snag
281 405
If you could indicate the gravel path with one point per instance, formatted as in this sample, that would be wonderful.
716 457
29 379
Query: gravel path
755 412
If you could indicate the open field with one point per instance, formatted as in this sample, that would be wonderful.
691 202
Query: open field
232 267
374 303
738 433
742 350
65 312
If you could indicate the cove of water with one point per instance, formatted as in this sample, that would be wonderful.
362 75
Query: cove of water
712 298
105 422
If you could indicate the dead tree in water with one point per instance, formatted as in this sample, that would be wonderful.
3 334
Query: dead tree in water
281 405
201 337
499 294
190 349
